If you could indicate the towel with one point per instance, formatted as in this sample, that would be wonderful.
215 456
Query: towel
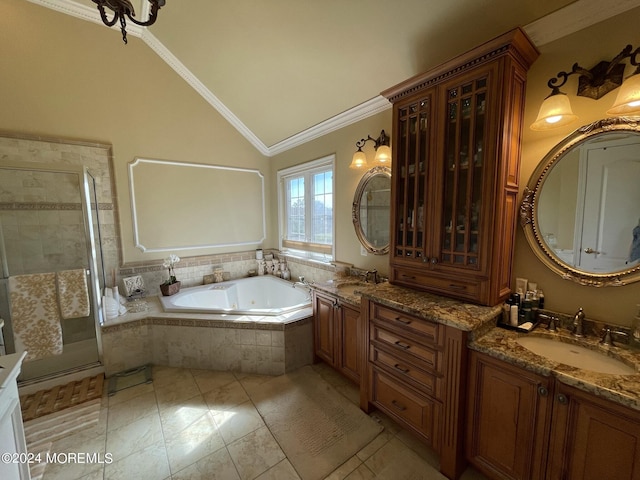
73 295
34 315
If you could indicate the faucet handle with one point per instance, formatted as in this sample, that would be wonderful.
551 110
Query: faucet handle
606 337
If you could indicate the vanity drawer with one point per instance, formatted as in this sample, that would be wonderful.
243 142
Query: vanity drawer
419 412
457 286
428 383
428 357
430 331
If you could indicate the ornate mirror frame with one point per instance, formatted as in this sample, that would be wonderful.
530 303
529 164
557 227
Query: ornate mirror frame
530 200
357 204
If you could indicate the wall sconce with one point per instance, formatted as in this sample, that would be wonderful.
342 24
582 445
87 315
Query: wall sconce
605 77
122 9
383 152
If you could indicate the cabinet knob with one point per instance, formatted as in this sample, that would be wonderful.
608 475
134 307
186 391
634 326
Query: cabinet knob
402 345
425 259
434 260
563 399
542 391
398 405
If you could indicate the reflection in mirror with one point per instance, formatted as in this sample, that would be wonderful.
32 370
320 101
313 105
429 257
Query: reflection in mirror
581 208
372 209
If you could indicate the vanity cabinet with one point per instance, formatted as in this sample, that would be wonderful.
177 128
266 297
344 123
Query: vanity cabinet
592 438
338 334
415 374
509 413
456 148
526 426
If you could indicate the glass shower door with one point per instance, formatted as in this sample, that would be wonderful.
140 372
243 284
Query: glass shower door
47 226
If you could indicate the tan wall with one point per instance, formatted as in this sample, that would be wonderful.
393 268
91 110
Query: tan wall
343 143
587 47
65 77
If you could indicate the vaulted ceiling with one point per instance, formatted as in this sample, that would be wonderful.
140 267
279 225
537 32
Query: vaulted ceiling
285 71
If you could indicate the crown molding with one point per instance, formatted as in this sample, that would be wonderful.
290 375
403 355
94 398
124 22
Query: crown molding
574 17
558 24
165 54
360 112
84 12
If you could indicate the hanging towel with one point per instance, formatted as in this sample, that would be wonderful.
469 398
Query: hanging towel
73 295
34 315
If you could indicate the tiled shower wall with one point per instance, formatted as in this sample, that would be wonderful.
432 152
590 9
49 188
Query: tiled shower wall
25 206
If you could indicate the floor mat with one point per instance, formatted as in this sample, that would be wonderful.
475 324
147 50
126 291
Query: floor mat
317 428
45 402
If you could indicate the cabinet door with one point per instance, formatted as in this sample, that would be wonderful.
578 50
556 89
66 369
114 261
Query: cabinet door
413 152
508 411
348 341
593 438
323 329
465 169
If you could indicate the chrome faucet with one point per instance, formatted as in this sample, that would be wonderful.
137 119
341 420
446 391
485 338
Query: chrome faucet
373 272
301 283
578 323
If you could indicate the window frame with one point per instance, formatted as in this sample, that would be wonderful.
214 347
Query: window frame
307 249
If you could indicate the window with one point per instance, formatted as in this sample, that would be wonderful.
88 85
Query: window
305 199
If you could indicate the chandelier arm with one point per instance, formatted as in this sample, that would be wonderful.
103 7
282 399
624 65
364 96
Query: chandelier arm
153 16
105 20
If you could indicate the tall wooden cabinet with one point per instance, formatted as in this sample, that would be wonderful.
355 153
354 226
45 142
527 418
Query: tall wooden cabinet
456 156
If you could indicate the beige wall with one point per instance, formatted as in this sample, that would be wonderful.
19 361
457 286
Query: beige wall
343 143
56 83
587 47
65 77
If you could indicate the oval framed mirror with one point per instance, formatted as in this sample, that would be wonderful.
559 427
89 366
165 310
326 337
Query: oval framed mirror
371 211
581 208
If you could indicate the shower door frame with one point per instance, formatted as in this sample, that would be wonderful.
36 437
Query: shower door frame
94 283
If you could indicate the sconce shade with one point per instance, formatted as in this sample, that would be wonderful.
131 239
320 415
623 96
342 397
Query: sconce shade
554 112
383 155
359 160
628 99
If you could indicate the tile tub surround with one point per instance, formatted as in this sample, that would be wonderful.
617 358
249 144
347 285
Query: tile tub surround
622 389
207 342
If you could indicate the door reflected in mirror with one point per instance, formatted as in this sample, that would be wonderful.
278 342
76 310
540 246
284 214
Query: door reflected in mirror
581 209
372 209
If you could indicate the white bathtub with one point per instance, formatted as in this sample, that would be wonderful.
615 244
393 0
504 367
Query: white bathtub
262 295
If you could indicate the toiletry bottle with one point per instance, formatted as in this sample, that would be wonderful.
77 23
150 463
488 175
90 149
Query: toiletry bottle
513 319
506 312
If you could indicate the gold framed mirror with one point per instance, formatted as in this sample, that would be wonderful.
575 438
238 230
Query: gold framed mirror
580 210
371 211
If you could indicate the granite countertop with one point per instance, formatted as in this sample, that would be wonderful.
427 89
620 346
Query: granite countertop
622 389
447 311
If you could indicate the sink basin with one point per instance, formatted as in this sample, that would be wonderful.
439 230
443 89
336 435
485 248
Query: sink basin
351 288
575 356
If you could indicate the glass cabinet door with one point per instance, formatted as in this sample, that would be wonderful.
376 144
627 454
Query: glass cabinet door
414 133
463 173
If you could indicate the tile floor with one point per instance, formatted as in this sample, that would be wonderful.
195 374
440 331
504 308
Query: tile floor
200 424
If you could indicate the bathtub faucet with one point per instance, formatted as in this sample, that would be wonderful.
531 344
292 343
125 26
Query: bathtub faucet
301 283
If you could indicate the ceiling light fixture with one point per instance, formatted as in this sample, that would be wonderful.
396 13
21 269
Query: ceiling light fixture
605 77
383 152
122 9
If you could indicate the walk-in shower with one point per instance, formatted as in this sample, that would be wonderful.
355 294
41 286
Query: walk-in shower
49 228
